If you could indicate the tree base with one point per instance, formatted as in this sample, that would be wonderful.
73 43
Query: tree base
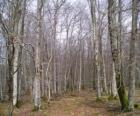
36 108
19 104
110 98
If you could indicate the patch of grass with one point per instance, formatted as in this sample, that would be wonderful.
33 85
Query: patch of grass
35 109
104 93
110 98
99 100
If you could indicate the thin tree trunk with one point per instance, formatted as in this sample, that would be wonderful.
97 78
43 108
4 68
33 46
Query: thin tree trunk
80 75
104 77
48 78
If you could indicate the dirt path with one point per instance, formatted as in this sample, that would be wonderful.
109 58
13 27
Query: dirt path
83 104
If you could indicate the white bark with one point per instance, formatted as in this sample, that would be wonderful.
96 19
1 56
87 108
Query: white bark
37 93
113 83
15 70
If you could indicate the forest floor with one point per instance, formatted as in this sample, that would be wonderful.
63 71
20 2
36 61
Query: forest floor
82 104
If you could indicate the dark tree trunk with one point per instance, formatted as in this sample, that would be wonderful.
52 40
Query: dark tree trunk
115 49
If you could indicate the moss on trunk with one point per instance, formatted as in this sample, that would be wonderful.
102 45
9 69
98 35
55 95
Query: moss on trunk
121 92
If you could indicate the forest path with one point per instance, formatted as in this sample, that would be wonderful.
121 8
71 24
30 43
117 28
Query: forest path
82 104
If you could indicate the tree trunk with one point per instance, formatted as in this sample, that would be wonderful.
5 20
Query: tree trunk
10 68
105 89
15 73
113 82
37 88
48 77
37 93
80 75
95 40
17 33
21 33
131 92
115 49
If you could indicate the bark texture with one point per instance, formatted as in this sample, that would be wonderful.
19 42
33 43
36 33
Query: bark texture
131 92
37 88
96 47
115 49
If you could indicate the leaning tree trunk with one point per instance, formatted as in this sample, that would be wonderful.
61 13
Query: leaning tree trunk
131 92
115 49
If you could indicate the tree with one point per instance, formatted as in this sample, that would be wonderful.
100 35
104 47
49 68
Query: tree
18 33
95 40
101 28
115 49
37 88
132 58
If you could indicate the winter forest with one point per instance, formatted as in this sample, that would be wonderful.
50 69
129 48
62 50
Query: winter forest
69 58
